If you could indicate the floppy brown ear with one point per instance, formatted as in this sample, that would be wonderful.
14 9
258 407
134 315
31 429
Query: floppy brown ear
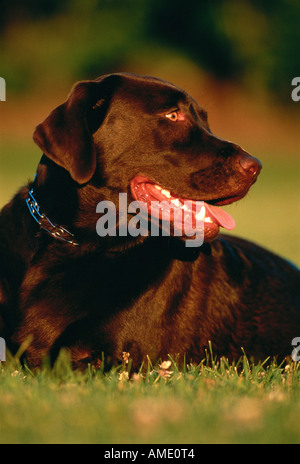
65 136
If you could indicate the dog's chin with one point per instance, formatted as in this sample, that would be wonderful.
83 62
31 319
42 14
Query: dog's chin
211 232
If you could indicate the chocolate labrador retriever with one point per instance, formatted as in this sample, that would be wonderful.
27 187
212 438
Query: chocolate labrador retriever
62 285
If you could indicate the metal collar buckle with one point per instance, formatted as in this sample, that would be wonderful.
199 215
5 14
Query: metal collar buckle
56 231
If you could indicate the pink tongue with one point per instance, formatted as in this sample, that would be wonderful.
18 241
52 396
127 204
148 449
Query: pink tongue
220 216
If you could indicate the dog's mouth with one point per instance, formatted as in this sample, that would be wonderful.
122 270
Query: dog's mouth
210 214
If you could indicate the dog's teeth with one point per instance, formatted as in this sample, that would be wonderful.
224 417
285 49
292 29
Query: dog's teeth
176 202
166 193
208 219
201 215
158 187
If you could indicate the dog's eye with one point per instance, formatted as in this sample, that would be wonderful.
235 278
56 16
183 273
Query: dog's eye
173 116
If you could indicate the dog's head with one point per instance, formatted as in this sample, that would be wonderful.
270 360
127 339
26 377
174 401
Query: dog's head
146 137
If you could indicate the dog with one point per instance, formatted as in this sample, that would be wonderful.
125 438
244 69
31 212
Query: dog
64 286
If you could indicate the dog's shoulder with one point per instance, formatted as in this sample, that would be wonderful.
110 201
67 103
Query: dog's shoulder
13 256
16 238
14 221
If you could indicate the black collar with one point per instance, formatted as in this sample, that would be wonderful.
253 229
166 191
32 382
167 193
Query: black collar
56 231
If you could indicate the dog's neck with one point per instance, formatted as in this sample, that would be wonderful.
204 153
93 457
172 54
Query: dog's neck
56 231
48 201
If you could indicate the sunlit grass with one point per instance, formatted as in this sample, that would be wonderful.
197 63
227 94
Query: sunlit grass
213 402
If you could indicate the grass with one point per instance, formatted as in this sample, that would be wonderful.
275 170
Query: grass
213 402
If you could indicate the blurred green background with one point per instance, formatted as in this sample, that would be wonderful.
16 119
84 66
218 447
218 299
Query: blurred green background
237 58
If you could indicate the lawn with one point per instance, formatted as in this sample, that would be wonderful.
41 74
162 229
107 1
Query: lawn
212 402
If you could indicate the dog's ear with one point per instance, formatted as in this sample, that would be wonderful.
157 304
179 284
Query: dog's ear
66 136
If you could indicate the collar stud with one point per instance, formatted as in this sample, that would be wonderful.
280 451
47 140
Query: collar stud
56 231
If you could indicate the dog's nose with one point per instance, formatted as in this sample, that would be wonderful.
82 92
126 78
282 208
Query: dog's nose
250 164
